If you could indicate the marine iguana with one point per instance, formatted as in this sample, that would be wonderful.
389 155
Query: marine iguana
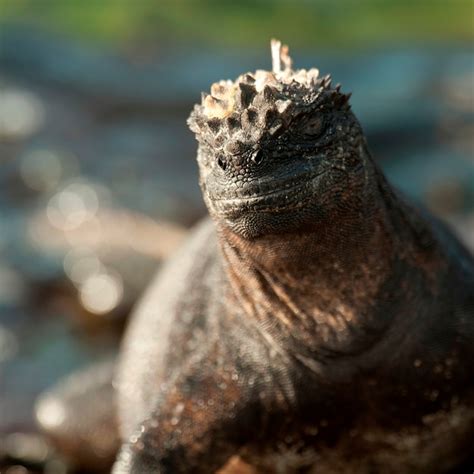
318 322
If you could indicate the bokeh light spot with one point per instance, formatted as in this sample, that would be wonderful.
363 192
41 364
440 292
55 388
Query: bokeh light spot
72 206
21 114
43 169
101 293
50 412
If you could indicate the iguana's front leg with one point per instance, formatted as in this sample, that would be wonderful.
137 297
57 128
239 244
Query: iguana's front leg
197 426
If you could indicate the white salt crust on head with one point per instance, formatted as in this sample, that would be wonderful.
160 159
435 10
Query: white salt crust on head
222 100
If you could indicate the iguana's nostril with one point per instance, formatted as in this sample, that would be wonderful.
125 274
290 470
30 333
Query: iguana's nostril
222 163
257 158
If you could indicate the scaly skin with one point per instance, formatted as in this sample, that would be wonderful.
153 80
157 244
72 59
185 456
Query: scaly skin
317 323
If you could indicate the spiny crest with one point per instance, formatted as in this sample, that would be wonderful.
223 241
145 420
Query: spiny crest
262 102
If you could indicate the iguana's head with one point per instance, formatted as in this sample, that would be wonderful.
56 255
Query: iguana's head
277 150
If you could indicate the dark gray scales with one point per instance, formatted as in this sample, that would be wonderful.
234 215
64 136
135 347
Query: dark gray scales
317 322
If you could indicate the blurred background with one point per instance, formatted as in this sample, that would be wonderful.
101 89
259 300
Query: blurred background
98 182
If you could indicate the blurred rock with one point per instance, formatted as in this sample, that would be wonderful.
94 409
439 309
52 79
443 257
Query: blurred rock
48 348
78 415
449 196
107 230
28 448
109 255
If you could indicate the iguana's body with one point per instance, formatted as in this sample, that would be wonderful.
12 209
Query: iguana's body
318 324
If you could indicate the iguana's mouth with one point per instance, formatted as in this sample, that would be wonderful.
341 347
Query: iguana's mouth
268 197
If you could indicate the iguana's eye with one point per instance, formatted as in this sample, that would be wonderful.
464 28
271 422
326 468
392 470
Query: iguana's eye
314 126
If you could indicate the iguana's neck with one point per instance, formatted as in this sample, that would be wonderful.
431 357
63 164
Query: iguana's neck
322 284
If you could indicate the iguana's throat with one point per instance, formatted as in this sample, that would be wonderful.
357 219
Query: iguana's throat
321 286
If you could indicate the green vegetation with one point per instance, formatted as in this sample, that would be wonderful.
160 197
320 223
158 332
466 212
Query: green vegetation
340 23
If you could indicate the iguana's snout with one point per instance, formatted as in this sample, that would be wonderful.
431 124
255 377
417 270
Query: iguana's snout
238 160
